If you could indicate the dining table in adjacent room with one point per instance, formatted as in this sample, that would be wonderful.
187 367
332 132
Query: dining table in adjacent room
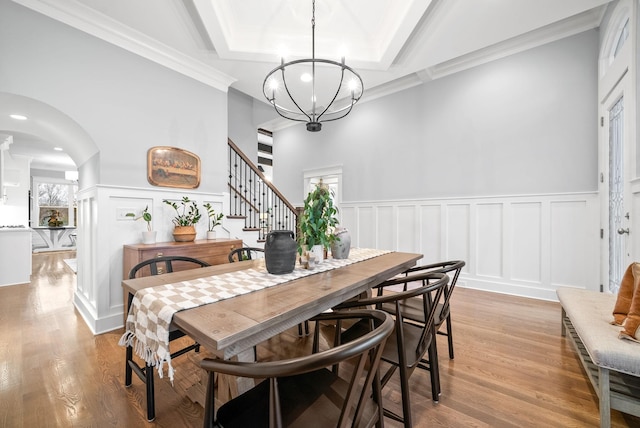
55 237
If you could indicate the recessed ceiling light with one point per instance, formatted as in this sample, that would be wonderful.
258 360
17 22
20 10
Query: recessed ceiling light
57 149
306 77
18 117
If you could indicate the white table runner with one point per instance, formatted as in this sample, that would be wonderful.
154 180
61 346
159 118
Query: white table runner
152 309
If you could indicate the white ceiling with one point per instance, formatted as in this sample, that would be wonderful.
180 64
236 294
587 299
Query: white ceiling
43 153
393 44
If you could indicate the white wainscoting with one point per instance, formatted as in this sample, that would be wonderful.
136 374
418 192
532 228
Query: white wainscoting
520 245
102 232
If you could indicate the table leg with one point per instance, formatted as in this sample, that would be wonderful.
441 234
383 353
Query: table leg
244 384
62 235
46 237
231 386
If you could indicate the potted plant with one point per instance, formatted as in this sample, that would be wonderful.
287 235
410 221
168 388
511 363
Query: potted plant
317 222
148 237
53 219
214 220
187 216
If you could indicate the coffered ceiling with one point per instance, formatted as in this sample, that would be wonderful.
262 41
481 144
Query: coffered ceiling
393 44
237 42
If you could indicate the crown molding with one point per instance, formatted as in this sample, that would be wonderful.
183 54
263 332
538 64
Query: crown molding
86 19
550 33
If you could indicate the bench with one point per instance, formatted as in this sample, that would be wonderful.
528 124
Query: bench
612 364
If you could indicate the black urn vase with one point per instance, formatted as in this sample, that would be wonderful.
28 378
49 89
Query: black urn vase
280 252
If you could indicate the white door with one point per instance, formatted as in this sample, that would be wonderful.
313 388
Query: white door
330 177
617 153
618 205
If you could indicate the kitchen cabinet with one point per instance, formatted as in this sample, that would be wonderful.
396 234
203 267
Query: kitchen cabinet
15 262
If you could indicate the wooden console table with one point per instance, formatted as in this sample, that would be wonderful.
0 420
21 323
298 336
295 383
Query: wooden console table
212 251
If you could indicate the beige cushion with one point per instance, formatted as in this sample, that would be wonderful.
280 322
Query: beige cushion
590 314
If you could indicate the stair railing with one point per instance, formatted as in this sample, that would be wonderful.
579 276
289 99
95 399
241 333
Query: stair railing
256 199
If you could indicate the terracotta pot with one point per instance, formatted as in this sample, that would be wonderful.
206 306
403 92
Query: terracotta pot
184 233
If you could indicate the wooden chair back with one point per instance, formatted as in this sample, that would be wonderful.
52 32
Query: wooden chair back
244 253
303 391
164 264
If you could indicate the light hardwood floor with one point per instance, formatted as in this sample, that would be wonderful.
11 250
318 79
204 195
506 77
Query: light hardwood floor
512 367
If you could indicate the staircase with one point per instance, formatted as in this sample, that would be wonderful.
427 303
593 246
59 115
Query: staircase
255 200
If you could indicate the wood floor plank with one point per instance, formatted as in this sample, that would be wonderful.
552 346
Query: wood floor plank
512 367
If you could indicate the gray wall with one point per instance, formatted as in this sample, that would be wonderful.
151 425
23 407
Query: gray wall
246 115
125 103
521 125
526 124
242 131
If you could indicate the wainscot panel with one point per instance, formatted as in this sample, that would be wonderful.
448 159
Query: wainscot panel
522 245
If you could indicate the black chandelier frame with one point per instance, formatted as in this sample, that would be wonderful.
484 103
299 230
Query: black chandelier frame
313 118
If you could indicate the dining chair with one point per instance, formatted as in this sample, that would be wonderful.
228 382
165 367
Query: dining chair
157 266
305 391
248 253
244 253
407 347
411 307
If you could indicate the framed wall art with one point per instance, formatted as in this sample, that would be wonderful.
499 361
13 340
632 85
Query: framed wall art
173 167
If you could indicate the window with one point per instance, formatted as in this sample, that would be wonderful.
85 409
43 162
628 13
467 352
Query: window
622 37
54 203
616 32
265 152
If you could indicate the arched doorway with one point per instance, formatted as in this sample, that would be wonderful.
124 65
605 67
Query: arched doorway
46 123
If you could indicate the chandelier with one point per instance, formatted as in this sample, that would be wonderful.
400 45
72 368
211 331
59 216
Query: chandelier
291 87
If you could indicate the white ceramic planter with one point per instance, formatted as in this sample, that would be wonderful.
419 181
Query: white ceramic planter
318 252
211 234
149 237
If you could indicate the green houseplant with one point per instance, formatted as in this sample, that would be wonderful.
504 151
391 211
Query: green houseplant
214 220
146 216
317 221
148 237
187 216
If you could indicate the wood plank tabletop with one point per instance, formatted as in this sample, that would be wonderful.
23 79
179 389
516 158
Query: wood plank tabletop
230 326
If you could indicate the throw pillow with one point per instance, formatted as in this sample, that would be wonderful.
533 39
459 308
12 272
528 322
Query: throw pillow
631 324
625 295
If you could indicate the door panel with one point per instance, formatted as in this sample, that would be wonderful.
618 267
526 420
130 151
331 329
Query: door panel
617 227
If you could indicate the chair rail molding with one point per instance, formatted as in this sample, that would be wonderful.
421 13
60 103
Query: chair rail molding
525 245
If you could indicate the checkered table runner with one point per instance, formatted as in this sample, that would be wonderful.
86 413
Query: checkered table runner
152 309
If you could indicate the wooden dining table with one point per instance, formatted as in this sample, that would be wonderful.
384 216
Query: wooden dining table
230 326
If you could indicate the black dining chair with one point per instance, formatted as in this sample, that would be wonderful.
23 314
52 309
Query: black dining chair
305 391
156 266
407 347
244 253
411 307
249 253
